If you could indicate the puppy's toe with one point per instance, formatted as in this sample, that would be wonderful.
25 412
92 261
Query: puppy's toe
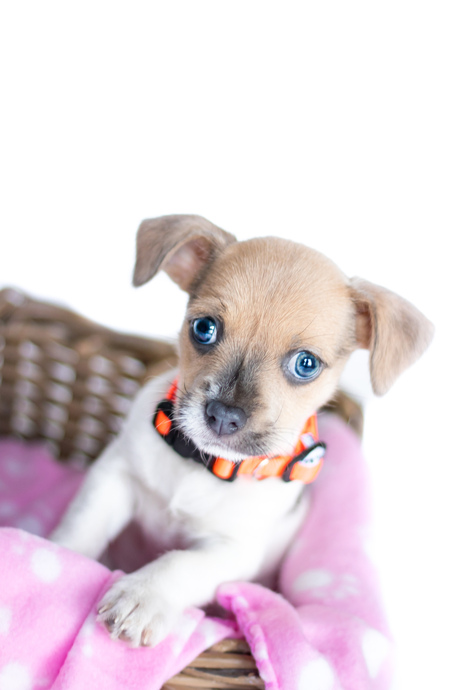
136 615
156 631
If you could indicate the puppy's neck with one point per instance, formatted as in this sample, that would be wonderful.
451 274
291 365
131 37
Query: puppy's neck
303 465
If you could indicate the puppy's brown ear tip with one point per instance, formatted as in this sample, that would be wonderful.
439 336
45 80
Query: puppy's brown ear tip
149 240
381 385
143 271
424 334
418 335
138 279
430 332
426 337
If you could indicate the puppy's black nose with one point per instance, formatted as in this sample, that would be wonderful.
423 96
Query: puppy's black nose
224 419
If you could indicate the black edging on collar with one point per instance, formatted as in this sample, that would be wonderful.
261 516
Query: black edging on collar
183 445
186 448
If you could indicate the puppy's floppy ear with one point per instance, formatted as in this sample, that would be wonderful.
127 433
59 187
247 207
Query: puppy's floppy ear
181 245
395 332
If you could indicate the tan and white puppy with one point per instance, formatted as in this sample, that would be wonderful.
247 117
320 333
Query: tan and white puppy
269 327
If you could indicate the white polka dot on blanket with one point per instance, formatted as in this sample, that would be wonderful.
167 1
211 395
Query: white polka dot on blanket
209 631
347 586
375 648
15 676
46 565
312 579
87 649
5 620
260 651
88 626
316 675
241 602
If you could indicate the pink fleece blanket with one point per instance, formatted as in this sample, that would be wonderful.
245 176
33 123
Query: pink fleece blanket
325 630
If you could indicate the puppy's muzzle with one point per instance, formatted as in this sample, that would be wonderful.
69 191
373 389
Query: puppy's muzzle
224 420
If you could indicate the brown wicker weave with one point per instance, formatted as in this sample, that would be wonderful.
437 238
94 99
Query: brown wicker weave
66 379
69 381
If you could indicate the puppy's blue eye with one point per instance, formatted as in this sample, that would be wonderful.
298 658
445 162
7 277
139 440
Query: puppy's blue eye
204 330
304 366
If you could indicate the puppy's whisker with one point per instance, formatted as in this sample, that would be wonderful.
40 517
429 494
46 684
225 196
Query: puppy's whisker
279 414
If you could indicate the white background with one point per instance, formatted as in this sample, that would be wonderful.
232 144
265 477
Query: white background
333 124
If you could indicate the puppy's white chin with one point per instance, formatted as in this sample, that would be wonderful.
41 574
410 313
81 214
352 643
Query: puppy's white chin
231 447
228 454
207 442
216 449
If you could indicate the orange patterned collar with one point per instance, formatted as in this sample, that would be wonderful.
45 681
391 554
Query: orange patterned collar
303 465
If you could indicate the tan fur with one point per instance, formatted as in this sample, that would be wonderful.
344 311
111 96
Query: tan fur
274 296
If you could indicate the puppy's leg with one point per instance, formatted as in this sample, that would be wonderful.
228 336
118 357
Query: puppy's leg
100 510
144 606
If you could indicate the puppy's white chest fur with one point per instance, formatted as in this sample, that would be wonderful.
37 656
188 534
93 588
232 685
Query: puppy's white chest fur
181 496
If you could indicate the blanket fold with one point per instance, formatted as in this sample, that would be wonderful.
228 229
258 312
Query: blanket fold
325 630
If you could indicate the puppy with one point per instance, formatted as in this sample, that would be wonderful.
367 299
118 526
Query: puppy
269 327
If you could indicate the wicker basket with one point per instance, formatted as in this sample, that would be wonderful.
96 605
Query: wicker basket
69 381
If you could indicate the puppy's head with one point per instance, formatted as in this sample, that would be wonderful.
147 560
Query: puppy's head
269 327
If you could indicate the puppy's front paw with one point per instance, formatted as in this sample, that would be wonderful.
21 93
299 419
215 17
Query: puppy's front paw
132 612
